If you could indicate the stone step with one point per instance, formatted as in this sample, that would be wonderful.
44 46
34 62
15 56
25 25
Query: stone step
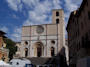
38 60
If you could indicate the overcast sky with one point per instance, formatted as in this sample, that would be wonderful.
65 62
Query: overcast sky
17 13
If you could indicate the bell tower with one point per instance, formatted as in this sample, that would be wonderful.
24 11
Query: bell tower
57 16
58 19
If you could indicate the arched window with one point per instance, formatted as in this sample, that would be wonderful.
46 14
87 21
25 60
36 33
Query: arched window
26 52
52 51
26 43
52 41
57 13
57 21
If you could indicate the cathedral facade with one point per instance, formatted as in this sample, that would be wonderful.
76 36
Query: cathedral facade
44 40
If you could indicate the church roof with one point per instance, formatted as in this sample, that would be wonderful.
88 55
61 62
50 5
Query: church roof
2 34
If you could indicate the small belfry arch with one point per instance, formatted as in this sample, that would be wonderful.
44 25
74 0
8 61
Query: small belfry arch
38 49
57 21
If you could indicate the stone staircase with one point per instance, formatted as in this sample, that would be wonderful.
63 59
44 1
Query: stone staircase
38 60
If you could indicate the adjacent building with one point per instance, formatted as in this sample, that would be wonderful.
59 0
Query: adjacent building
78 29
17 54
3 51
44 40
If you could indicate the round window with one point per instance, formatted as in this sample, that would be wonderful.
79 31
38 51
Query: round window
40 29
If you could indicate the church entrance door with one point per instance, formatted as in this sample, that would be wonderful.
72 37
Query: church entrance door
39 51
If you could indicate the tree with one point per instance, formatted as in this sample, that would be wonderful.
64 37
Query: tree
11 46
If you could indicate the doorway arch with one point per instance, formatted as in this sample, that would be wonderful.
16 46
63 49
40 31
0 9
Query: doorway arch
38 49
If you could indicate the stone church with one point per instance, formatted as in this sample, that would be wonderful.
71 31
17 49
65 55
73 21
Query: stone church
45 40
